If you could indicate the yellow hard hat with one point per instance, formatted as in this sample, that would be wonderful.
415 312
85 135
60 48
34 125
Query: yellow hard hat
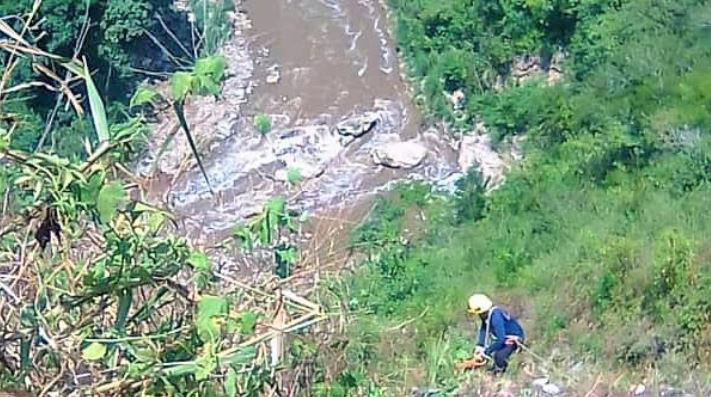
479 303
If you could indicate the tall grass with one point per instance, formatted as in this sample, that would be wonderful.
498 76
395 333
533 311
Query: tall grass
597 241
213 23
586 265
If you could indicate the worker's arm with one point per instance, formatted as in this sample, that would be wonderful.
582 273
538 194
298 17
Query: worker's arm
498 328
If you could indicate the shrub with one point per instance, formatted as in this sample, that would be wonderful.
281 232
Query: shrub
262 123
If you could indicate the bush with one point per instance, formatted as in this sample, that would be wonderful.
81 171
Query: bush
213 22
262 123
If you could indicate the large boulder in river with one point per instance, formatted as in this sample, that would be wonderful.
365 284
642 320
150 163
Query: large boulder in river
357 126
408 154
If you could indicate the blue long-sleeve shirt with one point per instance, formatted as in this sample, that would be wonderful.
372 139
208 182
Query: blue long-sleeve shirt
502 325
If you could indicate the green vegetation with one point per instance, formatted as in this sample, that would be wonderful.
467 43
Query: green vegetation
294 176
203 79
212 20
598 239
124 42
262 123
96 295
271 230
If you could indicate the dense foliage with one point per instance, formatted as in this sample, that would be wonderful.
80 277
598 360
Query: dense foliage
599 238
123 41
97 296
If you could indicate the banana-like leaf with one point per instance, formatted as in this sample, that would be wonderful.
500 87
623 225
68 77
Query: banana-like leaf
98 112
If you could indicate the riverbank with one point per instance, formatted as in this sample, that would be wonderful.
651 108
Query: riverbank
596 241
341 125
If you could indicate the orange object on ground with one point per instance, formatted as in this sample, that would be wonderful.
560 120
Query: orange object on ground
472 363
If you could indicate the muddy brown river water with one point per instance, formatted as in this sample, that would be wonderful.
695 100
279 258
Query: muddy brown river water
334 55
309 65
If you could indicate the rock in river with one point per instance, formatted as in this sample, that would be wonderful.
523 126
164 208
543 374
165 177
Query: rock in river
357 126
408 154
274 75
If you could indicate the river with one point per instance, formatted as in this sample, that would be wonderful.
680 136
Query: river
327 74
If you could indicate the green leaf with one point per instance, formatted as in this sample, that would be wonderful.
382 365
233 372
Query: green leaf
211 305
248 321
231 383
203 269
53 159
98 112
90 191
240 357
143 96
276 206
110 198
181 83
262 123
74 67
154 217
208 87
265 230
206 362
25 362
212 67
209 308
39 185
199 261
287 255
93 352
155 221
125 298
23 179
293 176
244 235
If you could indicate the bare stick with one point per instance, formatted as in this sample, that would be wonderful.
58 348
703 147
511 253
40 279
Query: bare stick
9 292
172 36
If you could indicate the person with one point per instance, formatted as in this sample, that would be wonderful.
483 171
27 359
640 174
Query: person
499 335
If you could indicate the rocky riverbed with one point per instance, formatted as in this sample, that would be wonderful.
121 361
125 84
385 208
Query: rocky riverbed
342 123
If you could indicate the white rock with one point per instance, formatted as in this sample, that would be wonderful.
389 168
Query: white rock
545 387
274 76
638 390
540 382
408 154
551 389
358 126
305 171
667 391
476 151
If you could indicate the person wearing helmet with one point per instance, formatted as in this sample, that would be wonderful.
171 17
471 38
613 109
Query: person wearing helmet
499 334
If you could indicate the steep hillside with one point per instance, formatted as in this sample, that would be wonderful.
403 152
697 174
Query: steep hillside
598 240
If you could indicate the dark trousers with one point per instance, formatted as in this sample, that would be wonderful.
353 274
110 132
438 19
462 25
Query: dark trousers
501 357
